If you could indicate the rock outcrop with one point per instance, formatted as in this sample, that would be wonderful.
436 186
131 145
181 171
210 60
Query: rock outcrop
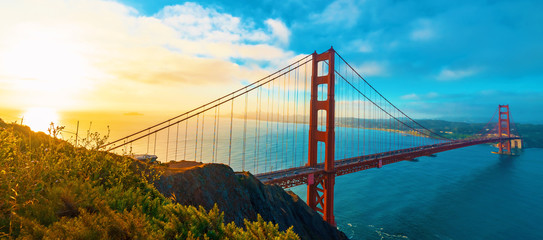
242 196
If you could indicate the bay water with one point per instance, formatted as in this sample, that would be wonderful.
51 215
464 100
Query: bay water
467 193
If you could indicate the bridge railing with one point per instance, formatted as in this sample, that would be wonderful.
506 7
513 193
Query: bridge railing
263 126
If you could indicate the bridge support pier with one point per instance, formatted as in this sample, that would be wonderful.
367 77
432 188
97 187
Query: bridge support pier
504 146
320 192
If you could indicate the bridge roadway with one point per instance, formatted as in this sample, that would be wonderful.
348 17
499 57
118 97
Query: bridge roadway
299 175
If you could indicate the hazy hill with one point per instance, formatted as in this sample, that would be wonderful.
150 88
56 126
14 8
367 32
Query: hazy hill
532 134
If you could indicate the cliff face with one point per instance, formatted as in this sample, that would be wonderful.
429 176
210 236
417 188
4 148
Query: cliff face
243 196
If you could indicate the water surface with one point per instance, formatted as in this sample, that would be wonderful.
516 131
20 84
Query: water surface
466 193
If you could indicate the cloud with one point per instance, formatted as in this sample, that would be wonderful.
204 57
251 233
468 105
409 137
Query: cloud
422 34
206 32
424 97
279 30
103 54
344 13
412 96
423 31
361 46
371 68
448 74
194 22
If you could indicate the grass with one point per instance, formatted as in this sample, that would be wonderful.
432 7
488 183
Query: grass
50 189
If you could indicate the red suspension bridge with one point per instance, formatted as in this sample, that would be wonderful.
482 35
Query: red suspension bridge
307 123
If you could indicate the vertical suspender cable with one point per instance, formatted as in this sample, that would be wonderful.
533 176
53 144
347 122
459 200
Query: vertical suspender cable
296 114
244 133
214 135
148 140
176 142
277 126
202 141
257 139
364 133
186 131
352 124
167 142
358 123
154 148
267 128
271 126
284 121
255 158
231 124
305 112
288 119
196 137
218 133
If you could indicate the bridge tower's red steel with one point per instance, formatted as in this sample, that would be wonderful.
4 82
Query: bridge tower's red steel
320 190
504 130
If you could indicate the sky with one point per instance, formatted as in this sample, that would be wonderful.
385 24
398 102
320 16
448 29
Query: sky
451 60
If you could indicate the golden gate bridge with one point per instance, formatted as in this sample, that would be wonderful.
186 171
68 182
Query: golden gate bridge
306 123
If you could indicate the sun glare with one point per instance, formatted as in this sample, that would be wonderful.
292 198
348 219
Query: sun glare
39 119
46 66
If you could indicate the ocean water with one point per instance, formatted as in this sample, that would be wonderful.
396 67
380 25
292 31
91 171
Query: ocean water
467 193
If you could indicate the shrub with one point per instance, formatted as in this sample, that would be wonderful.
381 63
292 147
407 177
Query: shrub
51 189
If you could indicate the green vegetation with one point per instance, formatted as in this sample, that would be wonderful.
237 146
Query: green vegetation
532 134
50 189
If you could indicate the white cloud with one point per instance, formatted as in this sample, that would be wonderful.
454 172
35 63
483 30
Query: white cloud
422 34
124 57
339 13
412 96
206 32
423 31
361 46
417 97
448 74
372 69
280 30
194 22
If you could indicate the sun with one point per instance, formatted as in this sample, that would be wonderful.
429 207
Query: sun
45 66
39 119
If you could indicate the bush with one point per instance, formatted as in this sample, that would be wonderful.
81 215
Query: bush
51 189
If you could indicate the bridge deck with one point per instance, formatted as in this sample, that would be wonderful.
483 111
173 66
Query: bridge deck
299 175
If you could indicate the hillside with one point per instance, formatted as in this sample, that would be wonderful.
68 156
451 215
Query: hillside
49 189
532 134
241 196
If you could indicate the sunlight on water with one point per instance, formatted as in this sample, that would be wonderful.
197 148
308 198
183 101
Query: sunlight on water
441 197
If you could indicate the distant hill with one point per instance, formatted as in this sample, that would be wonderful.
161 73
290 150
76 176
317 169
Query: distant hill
532 134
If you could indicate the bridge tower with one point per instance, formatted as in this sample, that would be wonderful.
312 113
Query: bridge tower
320 190
504 146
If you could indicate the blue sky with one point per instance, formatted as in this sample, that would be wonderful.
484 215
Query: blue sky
452 60
440 59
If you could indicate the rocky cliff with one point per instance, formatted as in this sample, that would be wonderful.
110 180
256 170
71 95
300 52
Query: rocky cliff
242 196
